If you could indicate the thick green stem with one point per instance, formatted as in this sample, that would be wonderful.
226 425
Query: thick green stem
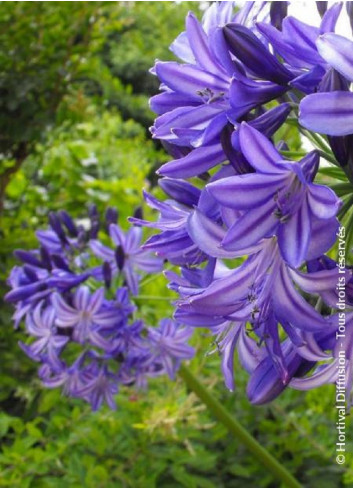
234 427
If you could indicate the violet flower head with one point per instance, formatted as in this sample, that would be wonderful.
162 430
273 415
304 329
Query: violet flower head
254 206
80 321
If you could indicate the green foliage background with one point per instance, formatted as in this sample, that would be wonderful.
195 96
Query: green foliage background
74 89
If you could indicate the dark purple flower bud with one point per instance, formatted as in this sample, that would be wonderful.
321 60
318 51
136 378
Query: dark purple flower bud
250 51
94 229
120 257
175 151
28 257
59 262
342 148
93 211
107 274
321 7
30 273
45 256
81 238
232 151
265 383
66 281
68 222
278 11
138 213
269 122
94 217
333 82
24 292
56 226
181 191
111 216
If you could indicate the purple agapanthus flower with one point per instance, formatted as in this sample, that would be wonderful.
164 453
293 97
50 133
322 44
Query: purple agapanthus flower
91 382
87 315
101 386
40 324
174 243
168 344
279 198
127 257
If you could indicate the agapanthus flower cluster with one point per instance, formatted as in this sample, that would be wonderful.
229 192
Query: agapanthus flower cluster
248 226
75 294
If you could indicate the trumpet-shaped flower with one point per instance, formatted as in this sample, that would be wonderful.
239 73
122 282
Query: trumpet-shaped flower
279 199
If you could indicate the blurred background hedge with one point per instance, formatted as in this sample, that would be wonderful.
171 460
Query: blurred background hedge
74 118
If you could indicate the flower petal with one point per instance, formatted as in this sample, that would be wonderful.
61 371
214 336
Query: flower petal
338 52
323 201
188 78
294 236
328 113
253 226
291 306
245 191
195 163
258 150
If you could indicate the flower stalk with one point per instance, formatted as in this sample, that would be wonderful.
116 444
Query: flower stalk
236 429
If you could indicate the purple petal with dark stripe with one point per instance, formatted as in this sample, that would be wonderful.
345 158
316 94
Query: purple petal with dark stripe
180 190
246 191
323 236
245 94
323 201
290 306
253 226
188 78
200 46
195 163
249 50
258 150
328 113
338 52
168 101
294 236
330 18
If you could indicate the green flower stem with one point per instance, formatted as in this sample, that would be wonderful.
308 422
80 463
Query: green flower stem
234 427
